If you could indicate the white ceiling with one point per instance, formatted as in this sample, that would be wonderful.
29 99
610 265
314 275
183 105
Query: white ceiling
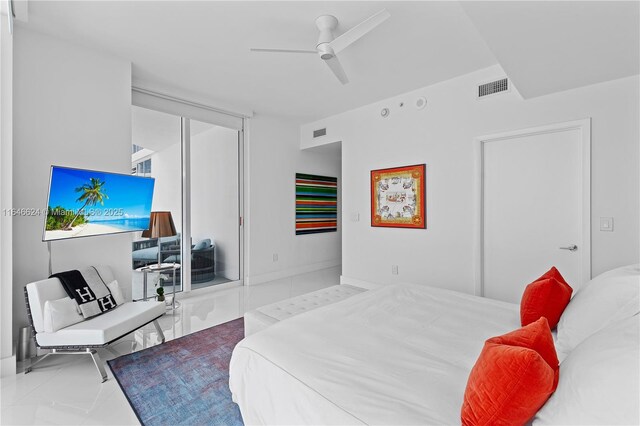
550 46
200 50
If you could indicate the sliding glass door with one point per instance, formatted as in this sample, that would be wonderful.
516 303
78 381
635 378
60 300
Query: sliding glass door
197 167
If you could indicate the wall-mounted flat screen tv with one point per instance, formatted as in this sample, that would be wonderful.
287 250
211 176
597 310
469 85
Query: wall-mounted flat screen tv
85 203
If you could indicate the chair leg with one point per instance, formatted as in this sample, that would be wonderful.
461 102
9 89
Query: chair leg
98 362
33 363
159 330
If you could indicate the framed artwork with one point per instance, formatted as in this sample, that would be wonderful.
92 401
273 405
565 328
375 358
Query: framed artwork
398 197
316 204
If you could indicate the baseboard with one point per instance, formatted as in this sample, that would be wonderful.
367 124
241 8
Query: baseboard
8 366
277 275
359 283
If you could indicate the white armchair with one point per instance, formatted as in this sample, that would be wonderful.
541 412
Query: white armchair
88 335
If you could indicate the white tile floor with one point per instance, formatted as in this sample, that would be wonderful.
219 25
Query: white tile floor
66 390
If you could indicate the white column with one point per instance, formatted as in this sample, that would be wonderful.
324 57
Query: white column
7 357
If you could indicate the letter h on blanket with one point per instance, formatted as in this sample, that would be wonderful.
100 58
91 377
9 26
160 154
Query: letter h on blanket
88 289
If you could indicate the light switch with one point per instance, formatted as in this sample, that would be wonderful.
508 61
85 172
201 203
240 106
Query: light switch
606 224
394 269
356 217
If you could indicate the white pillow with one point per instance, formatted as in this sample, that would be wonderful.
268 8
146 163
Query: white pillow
608 298
60 313
599 381
116 292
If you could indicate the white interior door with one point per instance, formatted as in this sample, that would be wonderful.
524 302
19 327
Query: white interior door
535 207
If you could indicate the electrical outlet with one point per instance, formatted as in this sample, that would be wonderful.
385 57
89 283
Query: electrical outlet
394 269
275 257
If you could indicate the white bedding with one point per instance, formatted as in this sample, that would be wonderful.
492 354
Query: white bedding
400 354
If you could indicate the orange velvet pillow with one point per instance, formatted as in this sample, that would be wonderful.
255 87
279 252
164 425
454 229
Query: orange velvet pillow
536 336
513 377
554 273
547 296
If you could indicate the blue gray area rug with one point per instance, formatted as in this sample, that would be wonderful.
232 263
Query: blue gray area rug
184 381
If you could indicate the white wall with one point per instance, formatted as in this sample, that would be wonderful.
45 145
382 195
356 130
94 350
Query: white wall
72 107
441 136
7 365
214 196
273 160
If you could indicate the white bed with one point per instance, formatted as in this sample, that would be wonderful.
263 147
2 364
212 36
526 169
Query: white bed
400 354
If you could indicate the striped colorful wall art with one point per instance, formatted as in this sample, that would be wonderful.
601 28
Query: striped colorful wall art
316 204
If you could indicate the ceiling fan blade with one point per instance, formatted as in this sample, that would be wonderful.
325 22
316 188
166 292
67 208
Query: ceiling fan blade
284 50
337 69
359 30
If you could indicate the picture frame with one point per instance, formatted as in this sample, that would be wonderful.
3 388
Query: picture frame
316 204
398 197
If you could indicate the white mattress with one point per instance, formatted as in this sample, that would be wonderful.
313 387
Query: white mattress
400 354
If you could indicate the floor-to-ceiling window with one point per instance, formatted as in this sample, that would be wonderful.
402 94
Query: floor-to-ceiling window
156 153
197 169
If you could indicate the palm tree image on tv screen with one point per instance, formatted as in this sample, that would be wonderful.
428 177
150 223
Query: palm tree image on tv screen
85 202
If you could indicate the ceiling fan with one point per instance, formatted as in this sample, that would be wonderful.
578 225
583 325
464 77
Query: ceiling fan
328 46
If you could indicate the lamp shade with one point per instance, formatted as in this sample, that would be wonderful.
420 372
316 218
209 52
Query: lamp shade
161 225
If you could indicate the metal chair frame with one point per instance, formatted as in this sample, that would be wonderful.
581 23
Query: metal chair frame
81 349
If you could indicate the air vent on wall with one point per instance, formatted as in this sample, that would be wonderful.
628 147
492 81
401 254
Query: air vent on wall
493 88
319 132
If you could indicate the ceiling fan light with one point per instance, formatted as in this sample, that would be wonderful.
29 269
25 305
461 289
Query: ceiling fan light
325 51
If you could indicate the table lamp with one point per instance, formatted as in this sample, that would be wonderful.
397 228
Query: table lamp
160 225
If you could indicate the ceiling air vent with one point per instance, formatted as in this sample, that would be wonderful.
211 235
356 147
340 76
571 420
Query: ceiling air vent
493 88
319 132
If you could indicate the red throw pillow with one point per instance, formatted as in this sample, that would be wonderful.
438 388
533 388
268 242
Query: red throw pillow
536 336
554 273
547 296
513 377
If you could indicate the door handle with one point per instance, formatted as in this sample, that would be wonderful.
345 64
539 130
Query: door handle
570 248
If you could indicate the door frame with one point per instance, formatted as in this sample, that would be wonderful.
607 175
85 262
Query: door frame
584 126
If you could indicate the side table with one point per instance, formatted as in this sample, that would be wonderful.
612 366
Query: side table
164 267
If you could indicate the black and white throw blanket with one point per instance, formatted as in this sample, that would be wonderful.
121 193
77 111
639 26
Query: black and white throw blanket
88 289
